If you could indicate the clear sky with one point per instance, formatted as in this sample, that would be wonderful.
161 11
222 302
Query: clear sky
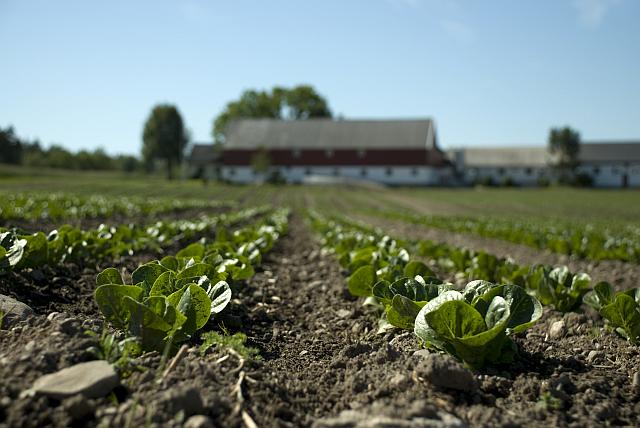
86 73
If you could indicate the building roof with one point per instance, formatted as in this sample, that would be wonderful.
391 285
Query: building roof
331 134
500 156
203 154
600 152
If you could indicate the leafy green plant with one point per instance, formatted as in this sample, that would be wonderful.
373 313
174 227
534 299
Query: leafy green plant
621 310
236 341
558 287
117 352
475 325
404 298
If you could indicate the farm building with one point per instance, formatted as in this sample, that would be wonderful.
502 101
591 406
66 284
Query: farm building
609 164
393 152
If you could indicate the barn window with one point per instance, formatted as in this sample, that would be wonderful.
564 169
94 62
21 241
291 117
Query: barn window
307 171
596 170
295 153
336 172
501 171
328 153
362 153
232 171
528 171
363 172
414 171
389 171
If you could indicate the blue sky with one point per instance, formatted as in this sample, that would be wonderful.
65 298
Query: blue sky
86 74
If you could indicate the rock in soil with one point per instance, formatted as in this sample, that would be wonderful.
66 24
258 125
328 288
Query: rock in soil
92 379
199 421
13 310
557 330
380 416
446 372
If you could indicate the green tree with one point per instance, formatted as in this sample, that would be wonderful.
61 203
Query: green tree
164 136
564 146
300 102
10 146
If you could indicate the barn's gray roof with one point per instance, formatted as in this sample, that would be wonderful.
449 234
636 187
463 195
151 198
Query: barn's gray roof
330 134
610 152
202 154
501 156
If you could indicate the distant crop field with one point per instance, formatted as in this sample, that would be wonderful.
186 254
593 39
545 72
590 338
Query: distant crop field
136 300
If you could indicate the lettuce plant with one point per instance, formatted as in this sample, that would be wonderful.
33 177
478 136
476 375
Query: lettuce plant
165 305
475 325
558 287
403 299
621 310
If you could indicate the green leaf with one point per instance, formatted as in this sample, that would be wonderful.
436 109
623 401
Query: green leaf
171 263
403 312
197 269
455 319
624 313
417 268
195 251
525 309
110 299
220 295
360 283
601 295
164 285
109 276
35 251
153 321
194 303
16 251
147 275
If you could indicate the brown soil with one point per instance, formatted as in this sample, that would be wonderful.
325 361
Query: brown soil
320 355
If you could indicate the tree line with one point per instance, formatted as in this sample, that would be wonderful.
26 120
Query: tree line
17 151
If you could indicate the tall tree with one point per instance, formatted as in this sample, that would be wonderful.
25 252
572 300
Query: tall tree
164 136
300 102
10 146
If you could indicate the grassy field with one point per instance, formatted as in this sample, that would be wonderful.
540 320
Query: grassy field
600 206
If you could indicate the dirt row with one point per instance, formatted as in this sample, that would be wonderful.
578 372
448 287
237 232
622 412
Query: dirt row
321 364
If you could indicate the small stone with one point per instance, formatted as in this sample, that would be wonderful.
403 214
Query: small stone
445 372
636 380
199 421
93 379
595 356
30 346
398 380
305 352
343 313
69 326
557 330
13 310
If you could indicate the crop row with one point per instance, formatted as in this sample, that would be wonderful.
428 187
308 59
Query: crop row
170 299
72 244
585 241
62 206
474 323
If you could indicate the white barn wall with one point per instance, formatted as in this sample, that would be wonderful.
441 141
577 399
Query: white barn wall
399 175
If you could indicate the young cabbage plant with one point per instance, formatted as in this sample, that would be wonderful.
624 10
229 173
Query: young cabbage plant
403 299
621 310
558 287
475 325
164 306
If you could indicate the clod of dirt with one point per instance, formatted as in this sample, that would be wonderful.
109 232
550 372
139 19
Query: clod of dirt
378 415
636 380
557 330
445 372
14 311
199 421
595 357
78 407
183 399
92 379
